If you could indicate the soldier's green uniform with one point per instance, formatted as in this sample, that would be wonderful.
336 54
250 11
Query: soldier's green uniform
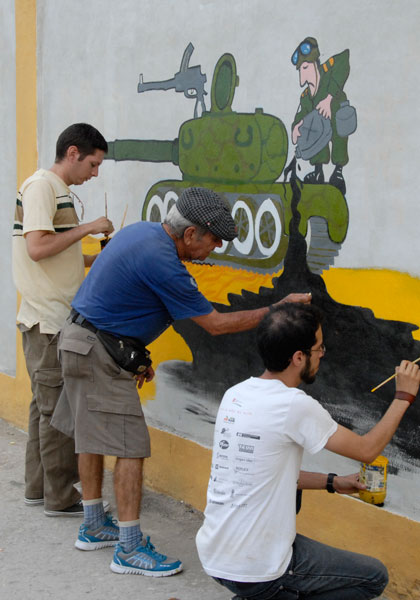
333 75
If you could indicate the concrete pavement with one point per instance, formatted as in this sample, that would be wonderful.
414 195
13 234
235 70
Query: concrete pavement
38 560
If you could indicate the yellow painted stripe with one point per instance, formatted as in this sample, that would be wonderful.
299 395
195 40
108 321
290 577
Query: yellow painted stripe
26 99
391 295
15 391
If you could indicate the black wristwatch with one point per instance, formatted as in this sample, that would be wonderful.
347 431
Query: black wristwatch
330 479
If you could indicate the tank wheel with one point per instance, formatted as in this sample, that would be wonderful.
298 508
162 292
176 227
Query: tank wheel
268 228
158 208
244 220
171 201
242 223
321 249
155 214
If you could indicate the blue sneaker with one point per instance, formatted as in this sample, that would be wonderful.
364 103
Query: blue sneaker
144 560
106 535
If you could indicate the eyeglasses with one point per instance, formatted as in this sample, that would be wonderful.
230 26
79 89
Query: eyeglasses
304 48
82 207
322 349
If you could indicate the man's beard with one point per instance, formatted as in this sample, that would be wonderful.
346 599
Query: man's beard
307 375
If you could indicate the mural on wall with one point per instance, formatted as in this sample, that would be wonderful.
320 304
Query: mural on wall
241 156
324 114
298 225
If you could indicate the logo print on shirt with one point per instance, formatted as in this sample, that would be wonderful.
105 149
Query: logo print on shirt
248 435
224 444
246 448
193 282
242 470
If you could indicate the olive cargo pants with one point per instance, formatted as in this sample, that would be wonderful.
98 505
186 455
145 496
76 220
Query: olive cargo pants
51 464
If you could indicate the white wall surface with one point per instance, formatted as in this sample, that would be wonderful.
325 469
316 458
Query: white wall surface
90 55
8 186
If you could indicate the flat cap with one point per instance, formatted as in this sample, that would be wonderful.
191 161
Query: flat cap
205 208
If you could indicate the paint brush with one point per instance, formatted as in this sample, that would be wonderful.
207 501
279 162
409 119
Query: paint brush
392 377
123 219
105 240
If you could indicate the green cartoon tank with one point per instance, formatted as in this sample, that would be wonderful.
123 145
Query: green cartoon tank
240 156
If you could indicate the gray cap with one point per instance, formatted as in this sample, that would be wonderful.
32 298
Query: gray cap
205 208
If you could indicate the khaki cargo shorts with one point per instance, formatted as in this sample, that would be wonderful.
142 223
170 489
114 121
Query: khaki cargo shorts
99 405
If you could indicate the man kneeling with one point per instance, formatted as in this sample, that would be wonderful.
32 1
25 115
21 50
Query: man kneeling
248 540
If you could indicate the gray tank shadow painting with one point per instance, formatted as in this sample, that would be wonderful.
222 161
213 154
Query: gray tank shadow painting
284 221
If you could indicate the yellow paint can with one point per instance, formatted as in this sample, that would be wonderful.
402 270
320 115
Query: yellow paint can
373 475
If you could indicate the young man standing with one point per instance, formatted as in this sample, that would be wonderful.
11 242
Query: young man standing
248 541
48 269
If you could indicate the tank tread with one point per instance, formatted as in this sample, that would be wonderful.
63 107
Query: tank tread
262 242
321 249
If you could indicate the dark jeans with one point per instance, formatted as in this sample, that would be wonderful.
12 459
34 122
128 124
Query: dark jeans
321 572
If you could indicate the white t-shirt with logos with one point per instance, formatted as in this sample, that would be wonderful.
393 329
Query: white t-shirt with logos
261 430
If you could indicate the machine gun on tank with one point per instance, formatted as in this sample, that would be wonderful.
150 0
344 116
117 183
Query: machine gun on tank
189 80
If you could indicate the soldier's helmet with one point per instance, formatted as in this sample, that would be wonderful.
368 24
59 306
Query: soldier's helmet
307 51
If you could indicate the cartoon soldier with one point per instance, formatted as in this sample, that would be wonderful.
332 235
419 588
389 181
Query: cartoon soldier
324 93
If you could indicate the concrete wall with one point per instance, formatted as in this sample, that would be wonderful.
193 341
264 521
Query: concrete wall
89 57
90 70
8 179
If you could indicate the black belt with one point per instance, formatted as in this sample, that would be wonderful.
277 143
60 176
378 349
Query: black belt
79 319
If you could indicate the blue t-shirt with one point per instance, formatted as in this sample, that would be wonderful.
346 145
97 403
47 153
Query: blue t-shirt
138 286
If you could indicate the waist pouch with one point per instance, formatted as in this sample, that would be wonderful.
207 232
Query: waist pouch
129 353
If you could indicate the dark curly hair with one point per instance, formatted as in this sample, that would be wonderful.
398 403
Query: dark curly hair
85 137
286 329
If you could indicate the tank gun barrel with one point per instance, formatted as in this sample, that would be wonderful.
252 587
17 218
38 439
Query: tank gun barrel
144 150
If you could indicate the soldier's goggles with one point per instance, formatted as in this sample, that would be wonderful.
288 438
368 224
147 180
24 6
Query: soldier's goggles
304 48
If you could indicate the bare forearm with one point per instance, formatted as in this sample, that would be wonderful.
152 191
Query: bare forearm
51 244
312 481
407 382
380 435
42 244
217 323
342 484
367 447
241 320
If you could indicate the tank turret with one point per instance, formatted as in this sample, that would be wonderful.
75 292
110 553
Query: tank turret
221 145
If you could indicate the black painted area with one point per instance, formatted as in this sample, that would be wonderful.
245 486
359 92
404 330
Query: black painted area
361 350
